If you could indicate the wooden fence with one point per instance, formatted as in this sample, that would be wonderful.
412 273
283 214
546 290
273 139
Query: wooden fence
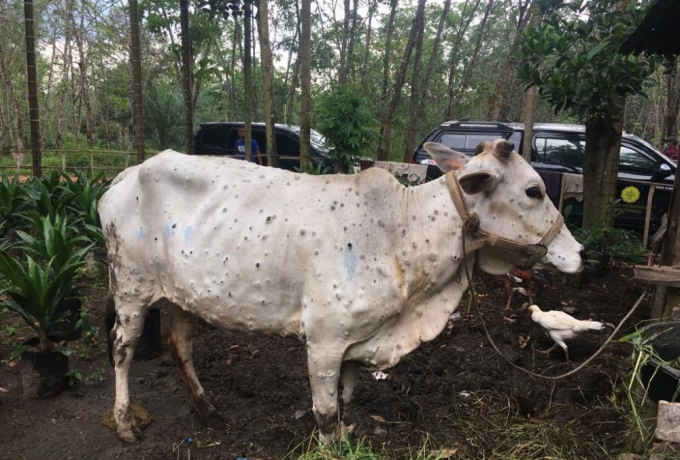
63 160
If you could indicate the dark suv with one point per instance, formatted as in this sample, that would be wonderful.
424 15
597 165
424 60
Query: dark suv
219 138
645 174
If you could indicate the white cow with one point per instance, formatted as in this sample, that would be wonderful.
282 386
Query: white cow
359 267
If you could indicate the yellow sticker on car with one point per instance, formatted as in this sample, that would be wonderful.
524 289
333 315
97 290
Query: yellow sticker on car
630 194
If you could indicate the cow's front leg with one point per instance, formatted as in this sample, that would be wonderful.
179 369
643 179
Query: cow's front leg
324 376
125 334
181 334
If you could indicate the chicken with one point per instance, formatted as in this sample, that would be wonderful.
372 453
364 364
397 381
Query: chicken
560 326
528 282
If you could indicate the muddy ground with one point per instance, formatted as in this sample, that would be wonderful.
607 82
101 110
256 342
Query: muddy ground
453 393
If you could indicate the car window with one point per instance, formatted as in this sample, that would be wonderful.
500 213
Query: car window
287 146
560 150
468 141
636 162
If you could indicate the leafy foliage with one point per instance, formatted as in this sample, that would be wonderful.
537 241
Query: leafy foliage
11 203
41 270
573 58
612 243
345 119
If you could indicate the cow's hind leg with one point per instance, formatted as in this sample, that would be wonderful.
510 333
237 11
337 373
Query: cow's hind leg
324 377
128 327
181 334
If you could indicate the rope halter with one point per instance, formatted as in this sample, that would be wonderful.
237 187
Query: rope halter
478 238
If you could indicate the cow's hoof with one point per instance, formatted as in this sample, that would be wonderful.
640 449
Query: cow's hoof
327 438
204 409
132 435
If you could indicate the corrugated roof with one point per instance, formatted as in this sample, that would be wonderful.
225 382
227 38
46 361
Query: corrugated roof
659 32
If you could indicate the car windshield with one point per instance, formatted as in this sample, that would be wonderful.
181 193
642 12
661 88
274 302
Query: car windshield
315 138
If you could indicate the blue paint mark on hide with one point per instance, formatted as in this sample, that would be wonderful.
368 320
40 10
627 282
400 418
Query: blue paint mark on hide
140 233
350 260
187 233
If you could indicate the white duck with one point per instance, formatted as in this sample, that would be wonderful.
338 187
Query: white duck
560 326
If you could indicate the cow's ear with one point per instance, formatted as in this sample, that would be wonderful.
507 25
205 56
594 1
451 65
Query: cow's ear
446 159
478 181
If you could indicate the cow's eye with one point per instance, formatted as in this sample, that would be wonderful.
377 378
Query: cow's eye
535 192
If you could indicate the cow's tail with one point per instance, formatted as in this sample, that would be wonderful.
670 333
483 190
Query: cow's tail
111 318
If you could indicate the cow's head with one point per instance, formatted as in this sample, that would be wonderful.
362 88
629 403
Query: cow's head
510 199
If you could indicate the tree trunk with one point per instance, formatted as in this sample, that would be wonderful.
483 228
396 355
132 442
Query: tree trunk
18 154
186 76
61 107
386 128
349 59
416 94
388 51
292 90
84 86
600 167
268 84
419 98
467 75
305 82
32 83
530 100
136 60
50 80
453 65
295 79
232 93
342 74
225 78
372 4
247 79
504 79
671 111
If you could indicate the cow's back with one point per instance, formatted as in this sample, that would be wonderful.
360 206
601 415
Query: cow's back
244 246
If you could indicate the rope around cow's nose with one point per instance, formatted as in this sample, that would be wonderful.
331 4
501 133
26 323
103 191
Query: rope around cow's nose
473 295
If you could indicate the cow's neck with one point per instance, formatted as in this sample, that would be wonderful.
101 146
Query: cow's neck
434 238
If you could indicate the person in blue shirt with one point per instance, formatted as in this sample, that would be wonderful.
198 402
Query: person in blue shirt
255 156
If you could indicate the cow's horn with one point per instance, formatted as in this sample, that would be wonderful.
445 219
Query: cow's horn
503 149
482 146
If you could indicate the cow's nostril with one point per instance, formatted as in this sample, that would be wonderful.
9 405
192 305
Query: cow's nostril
582 252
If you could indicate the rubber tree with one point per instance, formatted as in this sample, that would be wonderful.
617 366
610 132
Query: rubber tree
136 62
32 81
572 57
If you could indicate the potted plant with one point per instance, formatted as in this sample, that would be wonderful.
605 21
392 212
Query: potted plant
50 241
36 289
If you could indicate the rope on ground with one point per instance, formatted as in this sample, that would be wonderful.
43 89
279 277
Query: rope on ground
473 294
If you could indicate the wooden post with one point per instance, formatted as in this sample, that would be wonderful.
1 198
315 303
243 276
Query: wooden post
648 216
559 208
670 254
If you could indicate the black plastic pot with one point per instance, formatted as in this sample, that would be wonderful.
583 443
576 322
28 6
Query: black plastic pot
662 381
66 329
43 374
150 344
